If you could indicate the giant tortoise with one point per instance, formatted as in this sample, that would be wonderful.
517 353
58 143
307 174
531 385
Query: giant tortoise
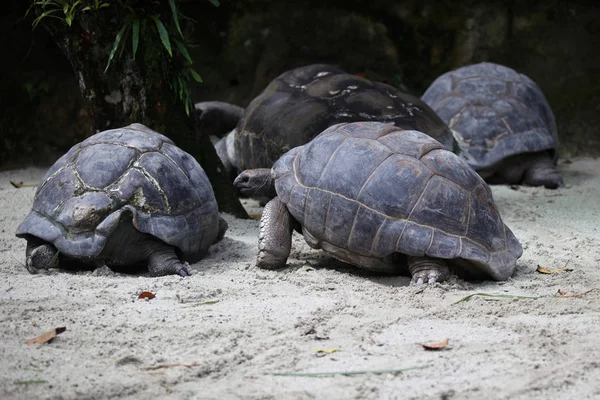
501 121
300 103
383 198
122 198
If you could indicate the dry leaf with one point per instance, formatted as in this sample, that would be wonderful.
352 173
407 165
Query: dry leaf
436 346
255 216
514 187
19 185
46 337
549 271
146 295
562 294
324 352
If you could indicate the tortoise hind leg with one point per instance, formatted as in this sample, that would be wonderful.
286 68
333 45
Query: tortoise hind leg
40 255
164 261
275 235
427 270
542 172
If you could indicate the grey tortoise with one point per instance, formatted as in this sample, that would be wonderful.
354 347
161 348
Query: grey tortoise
122 198
384 199
301 103
502 123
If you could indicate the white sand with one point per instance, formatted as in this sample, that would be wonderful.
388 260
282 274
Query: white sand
545 348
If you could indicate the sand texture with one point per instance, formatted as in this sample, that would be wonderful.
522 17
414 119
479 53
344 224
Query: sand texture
223 332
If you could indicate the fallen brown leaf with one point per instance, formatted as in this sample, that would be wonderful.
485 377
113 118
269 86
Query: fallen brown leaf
146 295
46 337
549 271
255 216
436 346
19 185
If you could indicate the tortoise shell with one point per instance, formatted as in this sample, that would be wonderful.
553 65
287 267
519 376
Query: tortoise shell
134 170
494 113
301 103
373 190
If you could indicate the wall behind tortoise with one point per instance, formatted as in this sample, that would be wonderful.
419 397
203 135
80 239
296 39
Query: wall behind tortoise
408 44
244 44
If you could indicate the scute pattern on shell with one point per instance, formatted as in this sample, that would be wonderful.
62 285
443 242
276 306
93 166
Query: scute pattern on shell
494 113
300 103
135 170
375 190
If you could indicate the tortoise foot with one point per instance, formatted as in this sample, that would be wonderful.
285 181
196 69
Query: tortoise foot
103 270
427 270
269 261
550 179
543 173
41 257
164 261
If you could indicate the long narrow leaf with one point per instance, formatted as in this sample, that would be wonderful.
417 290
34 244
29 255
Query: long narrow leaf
175 17
500 296
42 16
215 3
115 46
135 36
195 75
183 50
164 35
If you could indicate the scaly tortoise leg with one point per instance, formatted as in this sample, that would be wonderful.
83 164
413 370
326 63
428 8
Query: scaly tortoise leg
427 270
275 235
40 255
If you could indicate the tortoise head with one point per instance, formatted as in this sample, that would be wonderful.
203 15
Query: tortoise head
256 183
85 212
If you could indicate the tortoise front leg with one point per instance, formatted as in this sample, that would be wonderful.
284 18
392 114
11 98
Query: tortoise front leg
164 261
275 235
542 172
427 270
40 255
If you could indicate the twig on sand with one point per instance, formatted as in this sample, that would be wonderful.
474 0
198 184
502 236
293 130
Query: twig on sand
162 366
504 296
561 295
347 373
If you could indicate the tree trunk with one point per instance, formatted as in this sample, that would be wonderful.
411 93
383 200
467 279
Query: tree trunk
135 90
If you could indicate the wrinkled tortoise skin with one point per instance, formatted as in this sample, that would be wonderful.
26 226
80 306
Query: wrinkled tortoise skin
301 103
131 171
368 191
494 113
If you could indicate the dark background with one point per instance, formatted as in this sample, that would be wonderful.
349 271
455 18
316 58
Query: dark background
242 45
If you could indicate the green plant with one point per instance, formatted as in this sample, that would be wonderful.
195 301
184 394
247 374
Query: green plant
178 74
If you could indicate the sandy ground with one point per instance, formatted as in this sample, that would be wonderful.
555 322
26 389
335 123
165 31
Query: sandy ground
224 332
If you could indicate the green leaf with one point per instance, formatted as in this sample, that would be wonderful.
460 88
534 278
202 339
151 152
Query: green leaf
69 20
115 46
175 17
195 75
164 35
135 36
42 16
104 5
215 3
183 50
